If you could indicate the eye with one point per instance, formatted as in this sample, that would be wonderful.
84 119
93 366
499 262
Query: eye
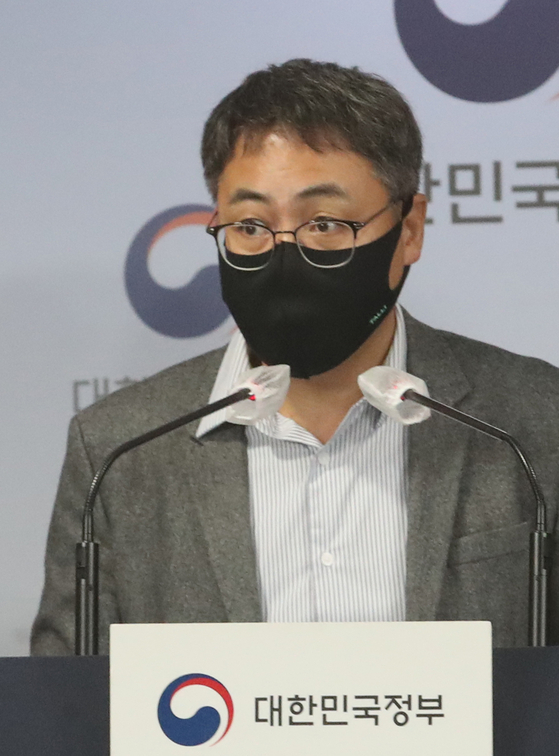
323 226
251 228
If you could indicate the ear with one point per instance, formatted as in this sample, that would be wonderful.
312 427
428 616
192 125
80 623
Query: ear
413 225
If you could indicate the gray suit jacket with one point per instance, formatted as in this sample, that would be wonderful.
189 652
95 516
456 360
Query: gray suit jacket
173 518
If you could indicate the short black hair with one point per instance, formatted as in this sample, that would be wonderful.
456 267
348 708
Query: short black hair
324 104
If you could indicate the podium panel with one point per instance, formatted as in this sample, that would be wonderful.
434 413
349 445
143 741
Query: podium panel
54 706
526 701
59 706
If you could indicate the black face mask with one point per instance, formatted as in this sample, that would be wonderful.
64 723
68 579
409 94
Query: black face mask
310 318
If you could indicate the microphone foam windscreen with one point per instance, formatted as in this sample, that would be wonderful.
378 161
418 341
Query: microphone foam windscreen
269 385
383 386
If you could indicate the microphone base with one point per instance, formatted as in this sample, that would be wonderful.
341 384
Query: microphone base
540 557
87 599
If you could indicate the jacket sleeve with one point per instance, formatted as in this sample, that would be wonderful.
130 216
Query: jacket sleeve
53 629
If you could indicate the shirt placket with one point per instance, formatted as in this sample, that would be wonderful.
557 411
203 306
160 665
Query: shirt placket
318 505
328 560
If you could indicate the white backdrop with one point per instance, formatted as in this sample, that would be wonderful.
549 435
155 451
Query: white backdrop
101 109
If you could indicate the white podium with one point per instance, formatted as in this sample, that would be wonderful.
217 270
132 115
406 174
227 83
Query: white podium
396 689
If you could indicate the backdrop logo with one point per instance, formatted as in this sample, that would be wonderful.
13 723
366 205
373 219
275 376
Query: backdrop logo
201 727
192 310
505 57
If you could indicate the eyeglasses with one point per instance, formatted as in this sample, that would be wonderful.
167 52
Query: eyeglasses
324 243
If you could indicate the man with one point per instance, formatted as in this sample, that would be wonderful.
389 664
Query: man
327 511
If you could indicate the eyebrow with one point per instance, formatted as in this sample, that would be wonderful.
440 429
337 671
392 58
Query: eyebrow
317 190
243 195
323 190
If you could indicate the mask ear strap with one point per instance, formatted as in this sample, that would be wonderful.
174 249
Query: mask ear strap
407 205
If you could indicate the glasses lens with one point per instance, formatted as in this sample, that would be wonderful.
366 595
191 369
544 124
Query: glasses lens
245 246
327 243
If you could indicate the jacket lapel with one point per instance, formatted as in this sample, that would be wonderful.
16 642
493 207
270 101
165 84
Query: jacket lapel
222 499
437 450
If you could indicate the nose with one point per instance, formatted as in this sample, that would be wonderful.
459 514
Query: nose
281 236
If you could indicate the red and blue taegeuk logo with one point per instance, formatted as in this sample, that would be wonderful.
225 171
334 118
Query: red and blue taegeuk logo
194 309
204 724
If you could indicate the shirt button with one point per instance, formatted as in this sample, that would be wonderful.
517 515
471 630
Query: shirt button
323 458
327 559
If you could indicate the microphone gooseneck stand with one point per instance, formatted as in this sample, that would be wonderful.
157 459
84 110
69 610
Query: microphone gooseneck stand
540 539
87 551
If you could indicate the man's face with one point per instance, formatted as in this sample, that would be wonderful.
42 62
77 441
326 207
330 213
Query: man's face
284 183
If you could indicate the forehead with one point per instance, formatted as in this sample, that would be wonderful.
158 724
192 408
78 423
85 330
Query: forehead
282 167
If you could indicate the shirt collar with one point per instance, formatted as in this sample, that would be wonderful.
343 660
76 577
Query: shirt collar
235 362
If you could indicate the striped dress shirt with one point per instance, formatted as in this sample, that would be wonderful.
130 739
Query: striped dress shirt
329 520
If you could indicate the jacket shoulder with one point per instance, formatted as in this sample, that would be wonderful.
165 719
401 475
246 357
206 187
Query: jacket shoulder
499 370
153 401
487 367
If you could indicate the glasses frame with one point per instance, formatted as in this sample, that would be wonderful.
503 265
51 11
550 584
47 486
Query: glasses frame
355 226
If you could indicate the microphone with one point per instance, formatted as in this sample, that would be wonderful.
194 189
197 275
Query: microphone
405 398
260 392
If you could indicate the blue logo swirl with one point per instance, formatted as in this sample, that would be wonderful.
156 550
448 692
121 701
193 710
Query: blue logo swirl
505 57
